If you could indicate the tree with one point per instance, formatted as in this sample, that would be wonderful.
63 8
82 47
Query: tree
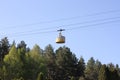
111 66
102 73
97 67
18 63
34 64
108 73
4 48
36 53
89 71
92 69
13 63
80 67
113 72
66 63
49 54
22 45
50 59
118 69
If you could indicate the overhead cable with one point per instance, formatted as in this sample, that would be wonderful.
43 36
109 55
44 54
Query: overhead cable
65 19
68 25
71 28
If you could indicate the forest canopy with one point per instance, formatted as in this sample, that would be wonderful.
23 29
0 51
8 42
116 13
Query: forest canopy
19 62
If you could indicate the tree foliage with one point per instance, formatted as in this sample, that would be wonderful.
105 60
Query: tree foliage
66 63
4 48
13 63
22 63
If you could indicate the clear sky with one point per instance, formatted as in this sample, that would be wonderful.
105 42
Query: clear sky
92 26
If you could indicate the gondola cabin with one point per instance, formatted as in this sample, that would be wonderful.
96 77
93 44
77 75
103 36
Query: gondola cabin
60 39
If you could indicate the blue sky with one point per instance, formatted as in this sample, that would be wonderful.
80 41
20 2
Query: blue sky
92 26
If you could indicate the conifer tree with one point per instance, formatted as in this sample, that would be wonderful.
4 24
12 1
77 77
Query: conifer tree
13 63
89 71
50 61
80 67
4 48
103 73
66 63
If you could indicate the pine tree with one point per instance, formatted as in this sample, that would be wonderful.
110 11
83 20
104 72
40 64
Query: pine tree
89 71
13 63
50 58
66 63
103 73
4 48
80 67
113 73
35 63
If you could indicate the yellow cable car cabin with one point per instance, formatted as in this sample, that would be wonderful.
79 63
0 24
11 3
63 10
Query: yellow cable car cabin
60 39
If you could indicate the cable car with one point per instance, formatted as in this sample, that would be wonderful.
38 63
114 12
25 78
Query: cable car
60 39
